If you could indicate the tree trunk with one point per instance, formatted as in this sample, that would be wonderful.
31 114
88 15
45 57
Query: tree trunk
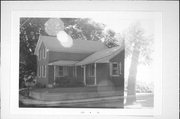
131 89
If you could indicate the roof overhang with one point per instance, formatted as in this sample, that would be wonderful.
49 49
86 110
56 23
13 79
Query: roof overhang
104 59
63 63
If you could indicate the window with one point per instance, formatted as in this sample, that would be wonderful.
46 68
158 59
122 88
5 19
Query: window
44 53
120 68
39 55
44 71
91 70
62 71
115 69
39 71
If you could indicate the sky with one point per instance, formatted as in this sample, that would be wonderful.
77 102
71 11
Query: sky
120 21
121 25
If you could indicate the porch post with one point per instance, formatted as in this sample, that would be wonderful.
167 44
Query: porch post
95 72
54 75
84 74
75 71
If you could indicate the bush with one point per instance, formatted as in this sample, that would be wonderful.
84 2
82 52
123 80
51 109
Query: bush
68 82
142 88
75 83
62 81
39 85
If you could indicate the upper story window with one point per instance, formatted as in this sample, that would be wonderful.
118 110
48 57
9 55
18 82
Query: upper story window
39 57
91 70
42 53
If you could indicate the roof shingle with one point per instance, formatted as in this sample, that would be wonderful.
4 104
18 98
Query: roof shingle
102 56
53 44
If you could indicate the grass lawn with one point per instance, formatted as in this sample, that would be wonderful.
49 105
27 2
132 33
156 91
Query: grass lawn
74 89
54 94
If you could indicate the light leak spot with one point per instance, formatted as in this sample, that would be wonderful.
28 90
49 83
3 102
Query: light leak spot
64 39
53 26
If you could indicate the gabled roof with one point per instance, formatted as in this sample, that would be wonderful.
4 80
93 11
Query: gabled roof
79 46
102 56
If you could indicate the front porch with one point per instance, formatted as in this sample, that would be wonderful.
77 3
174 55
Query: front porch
85 74
92 74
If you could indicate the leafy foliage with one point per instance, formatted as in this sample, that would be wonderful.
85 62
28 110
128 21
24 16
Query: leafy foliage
110 39
84 29
136 40
139 48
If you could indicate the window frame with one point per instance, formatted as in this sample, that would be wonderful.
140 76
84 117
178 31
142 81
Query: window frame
44 53
117 69
63 71
39 71
39 56
120 68
44 71
59 71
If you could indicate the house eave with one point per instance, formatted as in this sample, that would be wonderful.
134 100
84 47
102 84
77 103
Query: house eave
105 59
63 63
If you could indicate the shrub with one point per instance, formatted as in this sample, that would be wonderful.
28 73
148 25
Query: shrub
62 81
143 88
39 85
75 83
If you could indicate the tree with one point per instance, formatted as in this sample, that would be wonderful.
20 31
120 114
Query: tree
31 28
139 47
84 29
109 38
29 34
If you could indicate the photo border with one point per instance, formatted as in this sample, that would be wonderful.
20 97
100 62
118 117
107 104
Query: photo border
14 64
16 15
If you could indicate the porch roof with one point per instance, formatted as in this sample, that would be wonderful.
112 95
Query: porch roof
63 63
102 56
